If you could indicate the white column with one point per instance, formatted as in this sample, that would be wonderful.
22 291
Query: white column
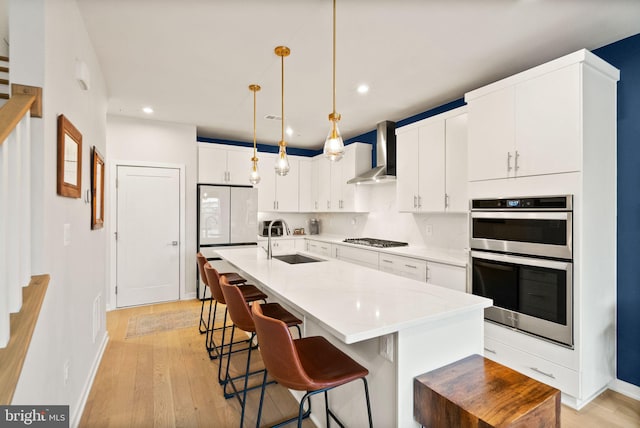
4 288
25 200
13 221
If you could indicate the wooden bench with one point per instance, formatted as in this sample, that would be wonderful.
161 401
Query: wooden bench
478 392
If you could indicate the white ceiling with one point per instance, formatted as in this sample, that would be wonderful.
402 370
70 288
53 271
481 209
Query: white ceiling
192 60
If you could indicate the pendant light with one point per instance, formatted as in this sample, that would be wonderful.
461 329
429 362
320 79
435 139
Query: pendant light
254 177
333 145
282 163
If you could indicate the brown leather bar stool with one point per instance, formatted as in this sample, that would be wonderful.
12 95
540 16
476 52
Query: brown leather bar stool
242 319
233 278
310 364
250 293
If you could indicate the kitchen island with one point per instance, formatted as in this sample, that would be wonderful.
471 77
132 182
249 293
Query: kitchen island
396 327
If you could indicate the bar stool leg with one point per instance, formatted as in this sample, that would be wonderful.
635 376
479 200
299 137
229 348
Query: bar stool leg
366 394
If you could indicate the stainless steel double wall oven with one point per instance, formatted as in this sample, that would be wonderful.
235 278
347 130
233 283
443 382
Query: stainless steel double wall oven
522 258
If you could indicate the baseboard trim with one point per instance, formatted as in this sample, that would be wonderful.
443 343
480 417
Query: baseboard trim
625 388
79 408
189 296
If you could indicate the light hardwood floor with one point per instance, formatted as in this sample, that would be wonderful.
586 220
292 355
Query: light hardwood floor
166 379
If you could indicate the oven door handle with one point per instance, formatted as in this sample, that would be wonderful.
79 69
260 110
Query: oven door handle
557 215
527 261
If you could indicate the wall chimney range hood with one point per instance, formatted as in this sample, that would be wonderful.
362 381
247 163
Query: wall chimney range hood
385 169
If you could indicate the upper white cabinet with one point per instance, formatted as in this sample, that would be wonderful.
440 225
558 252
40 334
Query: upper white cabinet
431 164
529 124
222 164
329 189
305 203
277 193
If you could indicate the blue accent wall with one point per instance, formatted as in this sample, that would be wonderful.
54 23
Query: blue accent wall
625 55
265 148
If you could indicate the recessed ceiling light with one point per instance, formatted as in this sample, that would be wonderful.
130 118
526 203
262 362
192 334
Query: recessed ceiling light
289 131
363 89
147 110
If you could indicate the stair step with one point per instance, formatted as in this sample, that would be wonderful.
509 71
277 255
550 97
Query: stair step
4 96
4 69
4 81
4 58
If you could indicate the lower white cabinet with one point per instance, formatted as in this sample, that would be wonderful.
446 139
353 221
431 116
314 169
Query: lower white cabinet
281 245
404 266
533 366
319 247
449 276
357 256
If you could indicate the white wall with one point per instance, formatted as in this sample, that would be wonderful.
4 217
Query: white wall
47 39
130 139
449 231
4 27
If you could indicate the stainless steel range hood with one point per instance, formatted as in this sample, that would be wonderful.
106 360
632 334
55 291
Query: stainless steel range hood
385 169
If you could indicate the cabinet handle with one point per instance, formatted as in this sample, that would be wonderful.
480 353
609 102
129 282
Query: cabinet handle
415 201
277 204
328 205
274 205
543 373
509 161
387 261
446 200
491 351
411 266
419 201
516 161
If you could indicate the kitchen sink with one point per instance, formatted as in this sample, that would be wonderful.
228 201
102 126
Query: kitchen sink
294 259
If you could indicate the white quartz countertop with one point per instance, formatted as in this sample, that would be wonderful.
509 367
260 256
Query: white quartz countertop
451 257
354 303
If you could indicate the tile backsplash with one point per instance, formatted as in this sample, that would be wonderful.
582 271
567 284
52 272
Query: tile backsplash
439 230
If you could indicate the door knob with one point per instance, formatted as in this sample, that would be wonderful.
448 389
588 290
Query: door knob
174 243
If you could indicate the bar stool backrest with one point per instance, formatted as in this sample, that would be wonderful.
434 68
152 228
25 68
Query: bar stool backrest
213 278
237 306
279 352
202 260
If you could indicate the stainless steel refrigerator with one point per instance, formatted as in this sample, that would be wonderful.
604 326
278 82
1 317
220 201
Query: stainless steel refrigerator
227 217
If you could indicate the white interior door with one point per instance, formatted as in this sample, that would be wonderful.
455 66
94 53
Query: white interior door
148 235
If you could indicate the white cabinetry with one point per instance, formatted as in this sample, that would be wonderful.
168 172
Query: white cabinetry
444 275
278 193
222 164
280 245
551 130
449 276
431 164
319 247
528 128
305 202
404 266
329 189
357 256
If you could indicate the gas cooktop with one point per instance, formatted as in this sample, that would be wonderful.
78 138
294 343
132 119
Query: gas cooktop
371 242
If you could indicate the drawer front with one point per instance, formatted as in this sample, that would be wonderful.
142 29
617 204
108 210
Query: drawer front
321 248
404 266
356 255
453 277
566 380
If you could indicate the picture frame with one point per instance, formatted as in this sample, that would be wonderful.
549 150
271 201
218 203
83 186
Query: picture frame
97 189
69 168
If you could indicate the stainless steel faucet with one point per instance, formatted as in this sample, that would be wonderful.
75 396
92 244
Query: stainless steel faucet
286 230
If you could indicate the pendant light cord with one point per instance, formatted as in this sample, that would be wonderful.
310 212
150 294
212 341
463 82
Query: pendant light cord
334 57
282 93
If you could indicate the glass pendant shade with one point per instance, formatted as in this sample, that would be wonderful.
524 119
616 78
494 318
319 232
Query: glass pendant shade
254 176
333 145
282 163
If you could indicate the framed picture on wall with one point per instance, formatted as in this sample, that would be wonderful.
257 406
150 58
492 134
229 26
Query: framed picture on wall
69 159
97 189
